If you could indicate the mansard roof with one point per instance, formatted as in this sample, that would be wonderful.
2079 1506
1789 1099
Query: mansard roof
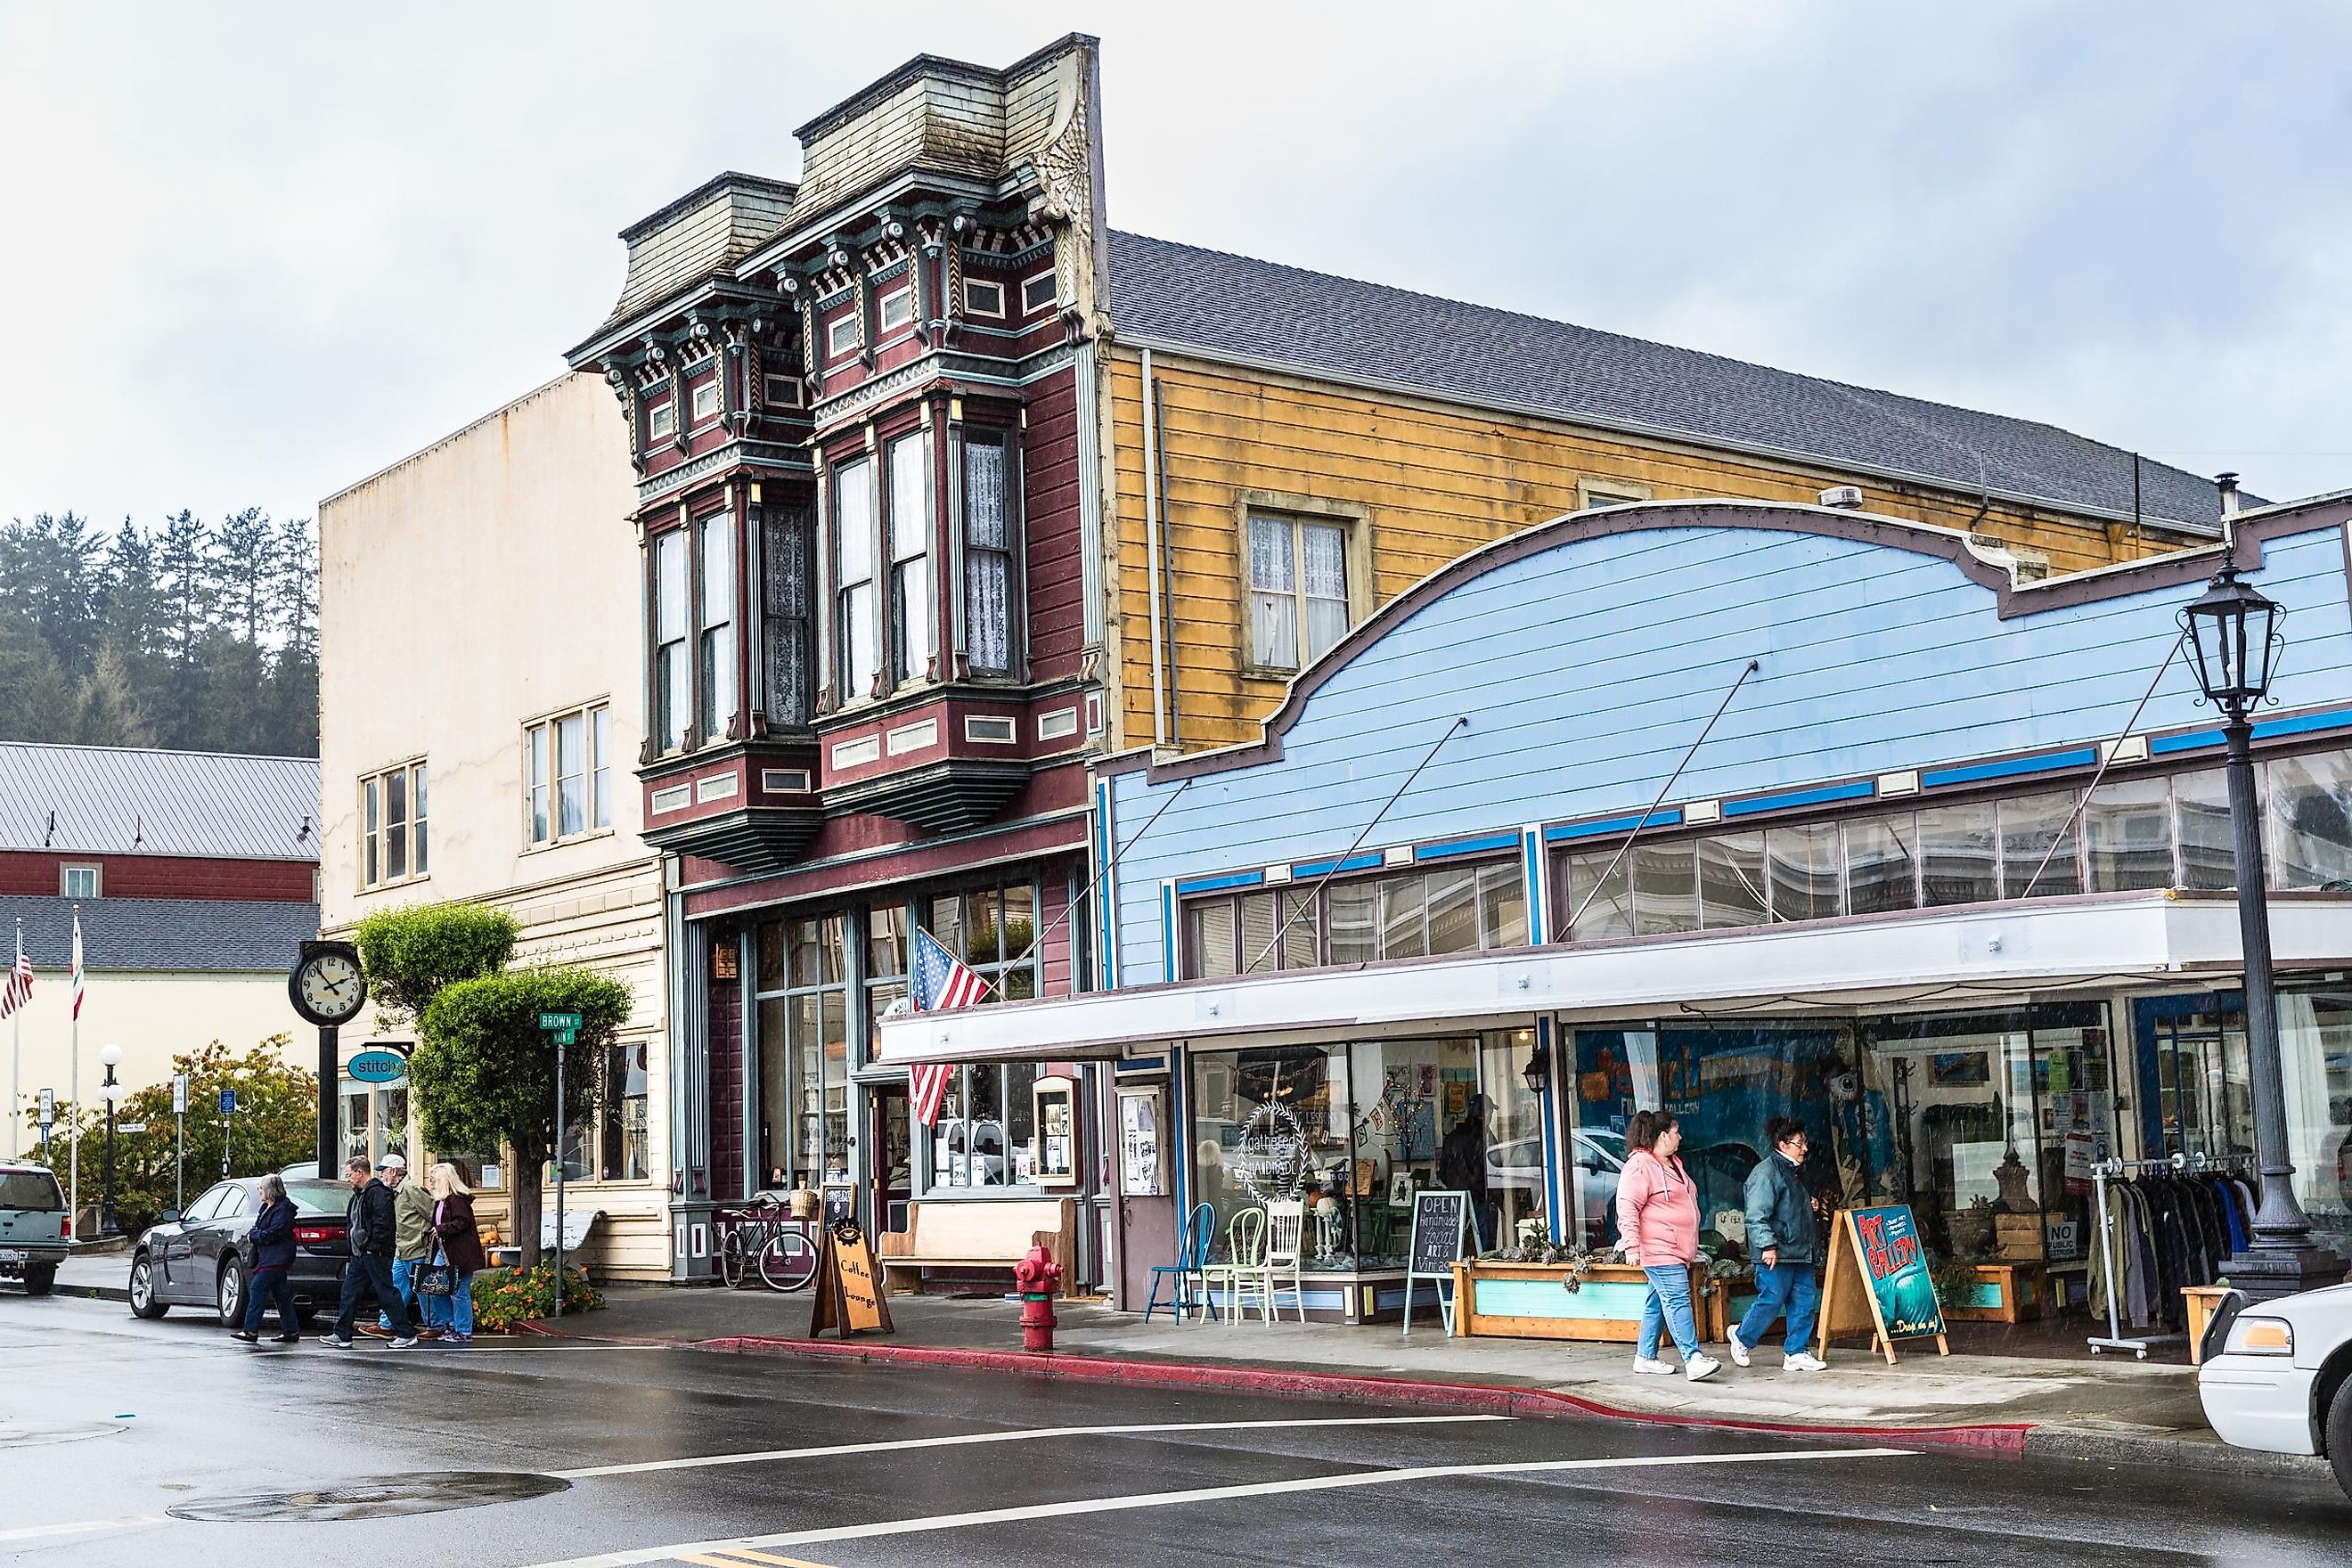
704 232
1181 295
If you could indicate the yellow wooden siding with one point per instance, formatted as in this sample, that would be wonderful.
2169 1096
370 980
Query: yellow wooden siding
1435 483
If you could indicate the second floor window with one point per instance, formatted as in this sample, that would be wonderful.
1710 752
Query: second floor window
1298 590
673 677
392 826
911 643
717 636
569 759
988 535
857 631
78 881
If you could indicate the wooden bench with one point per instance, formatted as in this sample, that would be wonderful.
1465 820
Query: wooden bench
979 1233
577 1224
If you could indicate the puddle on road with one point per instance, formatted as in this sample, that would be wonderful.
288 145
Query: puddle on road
433 1493
41 1433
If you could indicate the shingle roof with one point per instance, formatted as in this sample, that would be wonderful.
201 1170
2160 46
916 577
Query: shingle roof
1235 304
205 935
111 800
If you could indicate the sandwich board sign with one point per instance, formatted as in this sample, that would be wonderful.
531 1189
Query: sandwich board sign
1878 1282
848 1285
1440 1220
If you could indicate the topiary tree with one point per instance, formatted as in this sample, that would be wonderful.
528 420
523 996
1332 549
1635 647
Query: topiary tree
484 1072
411 952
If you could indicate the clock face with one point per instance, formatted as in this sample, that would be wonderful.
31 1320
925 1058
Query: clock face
329 986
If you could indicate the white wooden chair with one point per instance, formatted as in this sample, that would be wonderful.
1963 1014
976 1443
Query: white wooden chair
1244 1266
1286 1241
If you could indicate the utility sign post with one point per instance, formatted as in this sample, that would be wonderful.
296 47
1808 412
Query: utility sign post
180 1142
228 1115
48 1118
565 1027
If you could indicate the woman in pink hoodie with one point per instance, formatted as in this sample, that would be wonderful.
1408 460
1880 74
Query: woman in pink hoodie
1657 1224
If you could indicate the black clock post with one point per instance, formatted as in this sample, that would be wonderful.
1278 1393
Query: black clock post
332 1003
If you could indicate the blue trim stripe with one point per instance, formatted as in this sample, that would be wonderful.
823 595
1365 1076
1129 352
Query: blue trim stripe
1306 870
1192 885
2303 724
1664 816
1553 1202
1168 931
1533 869
1978 773
1140 1064
1479 846
1860 789
2194 741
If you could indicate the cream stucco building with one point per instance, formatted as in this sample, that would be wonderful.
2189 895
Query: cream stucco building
480 689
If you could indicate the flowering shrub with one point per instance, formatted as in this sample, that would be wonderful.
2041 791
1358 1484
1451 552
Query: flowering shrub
505 1296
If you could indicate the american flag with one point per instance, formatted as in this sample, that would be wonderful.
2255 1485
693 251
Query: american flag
76 964
19 988
940 981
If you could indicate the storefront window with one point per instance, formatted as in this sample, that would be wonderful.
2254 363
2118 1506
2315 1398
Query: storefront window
1353 1131
2311 820
2200 814
1957 855
986 1134
804 1044
2315 1060
622 1115
1415 914
2128 828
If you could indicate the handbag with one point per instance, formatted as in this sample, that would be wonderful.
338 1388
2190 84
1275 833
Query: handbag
438 1278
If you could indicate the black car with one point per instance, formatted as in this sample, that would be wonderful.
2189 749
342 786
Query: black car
201 1257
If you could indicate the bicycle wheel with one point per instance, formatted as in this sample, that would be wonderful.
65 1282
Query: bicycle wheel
734 1258
788 1262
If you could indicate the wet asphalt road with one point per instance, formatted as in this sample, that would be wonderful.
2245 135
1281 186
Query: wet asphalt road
109 1424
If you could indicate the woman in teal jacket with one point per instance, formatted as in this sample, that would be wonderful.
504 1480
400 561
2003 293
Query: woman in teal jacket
1785 1243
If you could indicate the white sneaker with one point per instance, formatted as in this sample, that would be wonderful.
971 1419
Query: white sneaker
1701 1366
1802 1361
1653 1364
1738 1351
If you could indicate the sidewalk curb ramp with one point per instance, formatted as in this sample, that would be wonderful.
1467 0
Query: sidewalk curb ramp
1481 1398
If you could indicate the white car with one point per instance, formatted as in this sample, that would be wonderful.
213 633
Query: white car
2283 1379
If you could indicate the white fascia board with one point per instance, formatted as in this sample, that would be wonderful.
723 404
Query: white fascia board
1909 959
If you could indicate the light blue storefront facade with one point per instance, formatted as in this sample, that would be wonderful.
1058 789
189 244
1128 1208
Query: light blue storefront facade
1821 916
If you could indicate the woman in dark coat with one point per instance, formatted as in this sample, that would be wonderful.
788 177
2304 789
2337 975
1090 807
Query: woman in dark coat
461 1245
272 1237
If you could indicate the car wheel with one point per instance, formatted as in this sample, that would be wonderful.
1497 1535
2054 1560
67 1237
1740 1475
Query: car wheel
2340 1436
143 1290
230 1296
40 1279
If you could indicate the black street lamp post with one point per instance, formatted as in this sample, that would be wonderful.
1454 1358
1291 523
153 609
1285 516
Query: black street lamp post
108 1090
2233 639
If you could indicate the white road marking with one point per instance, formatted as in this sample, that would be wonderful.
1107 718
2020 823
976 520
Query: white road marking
40 1532
1020 1434
1059 1511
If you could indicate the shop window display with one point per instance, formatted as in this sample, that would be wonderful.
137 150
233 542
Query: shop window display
1354 1131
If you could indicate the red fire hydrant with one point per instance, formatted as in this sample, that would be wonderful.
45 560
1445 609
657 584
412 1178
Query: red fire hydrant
1037 1276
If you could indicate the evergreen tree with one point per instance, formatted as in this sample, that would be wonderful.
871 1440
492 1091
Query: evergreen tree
107 713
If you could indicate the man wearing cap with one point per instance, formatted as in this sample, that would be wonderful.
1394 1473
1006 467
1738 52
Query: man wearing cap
412 1242
373 1232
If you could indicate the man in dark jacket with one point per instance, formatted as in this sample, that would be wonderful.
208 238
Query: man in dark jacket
1462 1167
369 1221
1784 1241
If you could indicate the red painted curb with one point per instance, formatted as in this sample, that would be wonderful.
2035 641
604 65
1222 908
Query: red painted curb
1485 1398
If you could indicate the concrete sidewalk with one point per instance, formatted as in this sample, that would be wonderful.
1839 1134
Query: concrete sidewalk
2102 1409
101 1275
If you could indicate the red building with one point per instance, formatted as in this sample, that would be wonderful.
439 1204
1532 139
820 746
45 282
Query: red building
869 577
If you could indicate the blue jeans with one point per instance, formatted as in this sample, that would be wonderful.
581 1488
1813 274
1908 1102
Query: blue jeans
1668 1304
456 1308
403 1285
271 1285
1792 1286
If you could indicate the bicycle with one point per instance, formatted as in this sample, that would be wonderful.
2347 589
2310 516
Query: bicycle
763 1240
788 1260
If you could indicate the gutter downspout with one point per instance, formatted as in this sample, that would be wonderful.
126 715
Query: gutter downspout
1151 542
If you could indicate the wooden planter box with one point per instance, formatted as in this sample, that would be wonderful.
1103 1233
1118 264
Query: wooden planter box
2003 1293
1530 1301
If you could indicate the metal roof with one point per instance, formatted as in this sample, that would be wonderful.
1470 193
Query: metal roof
1313 321
202 935
109 800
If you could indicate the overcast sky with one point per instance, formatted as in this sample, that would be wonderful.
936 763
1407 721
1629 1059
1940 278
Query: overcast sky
251 253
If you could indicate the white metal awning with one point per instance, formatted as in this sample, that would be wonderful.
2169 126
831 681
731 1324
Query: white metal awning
1916 959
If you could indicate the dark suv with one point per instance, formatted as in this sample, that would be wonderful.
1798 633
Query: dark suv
34 1227
200 1259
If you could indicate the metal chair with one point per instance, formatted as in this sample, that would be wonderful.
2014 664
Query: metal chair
1192 1243
1244 1261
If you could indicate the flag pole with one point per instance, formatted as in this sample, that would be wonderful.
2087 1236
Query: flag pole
16 1056
73 1127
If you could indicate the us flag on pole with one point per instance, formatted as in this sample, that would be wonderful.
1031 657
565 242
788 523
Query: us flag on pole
18 989
76 964
940 981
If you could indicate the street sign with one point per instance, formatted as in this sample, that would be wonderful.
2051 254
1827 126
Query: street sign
228 1102
130 1127
379 1066
48 1109
558 1020
179 1094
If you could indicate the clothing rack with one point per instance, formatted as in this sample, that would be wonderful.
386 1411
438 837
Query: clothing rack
2103 1171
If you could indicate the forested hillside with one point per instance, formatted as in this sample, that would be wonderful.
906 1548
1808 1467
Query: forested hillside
200 634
